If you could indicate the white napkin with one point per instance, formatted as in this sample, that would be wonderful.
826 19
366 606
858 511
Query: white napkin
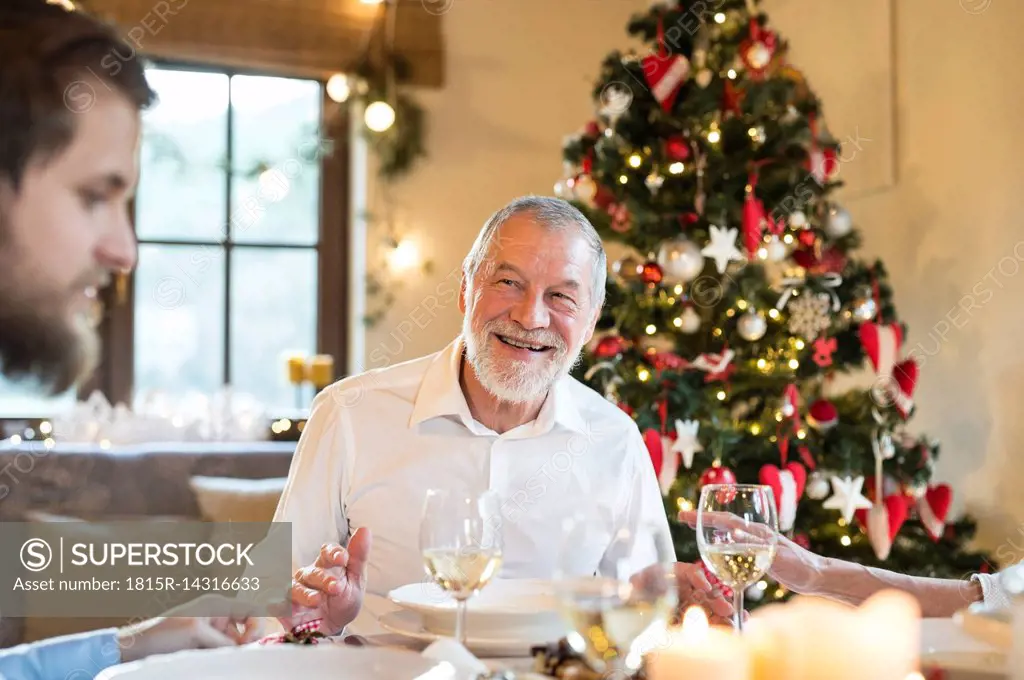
447 649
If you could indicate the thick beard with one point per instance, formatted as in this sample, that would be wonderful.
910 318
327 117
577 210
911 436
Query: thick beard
514 382
39 341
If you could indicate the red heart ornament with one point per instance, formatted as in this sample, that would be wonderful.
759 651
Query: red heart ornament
787 486
933 507
881 343
666 75
652 438
882 522
905 374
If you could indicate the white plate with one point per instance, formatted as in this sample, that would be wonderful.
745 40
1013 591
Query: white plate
410 624
277 662
987 624
505 609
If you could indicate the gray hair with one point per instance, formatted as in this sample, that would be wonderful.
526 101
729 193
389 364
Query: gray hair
554 214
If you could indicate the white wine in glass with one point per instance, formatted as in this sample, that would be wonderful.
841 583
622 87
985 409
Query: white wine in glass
607 613
737 535
461 542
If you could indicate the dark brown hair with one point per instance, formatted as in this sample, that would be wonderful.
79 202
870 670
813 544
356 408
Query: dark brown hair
45 51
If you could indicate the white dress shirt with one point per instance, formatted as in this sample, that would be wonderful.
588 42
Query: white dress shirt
374 444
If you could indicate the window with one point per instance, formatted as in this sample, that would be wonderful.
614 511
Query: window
240 219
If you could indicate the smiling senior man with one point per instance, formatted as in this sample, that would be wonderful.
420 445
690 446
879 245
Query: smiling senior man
494 410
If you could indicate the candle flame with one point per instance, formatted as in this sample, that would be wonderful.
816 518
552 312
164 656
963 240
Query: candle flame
695 625
915 676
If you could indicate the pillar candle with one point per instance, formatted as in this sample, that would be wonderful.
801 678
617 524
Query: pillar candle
321 370
700 651
296 369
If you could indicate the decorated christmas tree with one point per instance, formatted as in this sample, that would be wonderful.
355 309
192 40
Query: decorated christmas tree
741 298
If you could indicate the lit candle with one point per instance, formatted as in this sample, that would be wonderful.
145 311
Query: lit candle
296 369
700 651
321 370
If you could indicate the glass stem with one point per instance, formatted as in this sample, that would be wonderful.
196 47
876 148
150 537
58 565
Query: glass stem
737 604
460 621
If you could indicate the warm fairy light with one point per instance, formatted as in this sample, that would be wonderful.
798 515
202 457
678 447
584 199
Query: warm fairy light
773 313
762 253
788 238
678 290
684 504
714 135
755 429
643 374
721 395
762 585
677 322
45 427
671 300
799 344
720 18
651 329
635 160
845 540
779 593
841 521
762 364
779 416
794 364
379 116
623 179
676 168
732 74
801 434
730 312
339 88
742 304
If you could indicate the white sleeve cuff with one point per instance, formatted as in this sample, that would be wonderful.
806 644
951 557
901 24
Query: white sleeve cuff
992 590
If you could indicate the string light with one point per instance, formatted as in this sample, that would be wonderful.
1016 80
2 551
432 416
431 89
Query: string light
841 521
773 313
379 116
730 312
742 304
623 179
678 290
684 504
45 427
717 332
762 253
635 160
721 395
755 429
720 18
643 374
762 585
677 322
676 168
732 74
779 416
788 238
845 540
794 364
801 434
339 88
651 329
714 135
762 364
799 344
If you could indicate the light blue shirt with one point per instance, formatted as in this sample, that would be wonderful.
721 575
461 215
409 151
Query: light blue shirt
71 657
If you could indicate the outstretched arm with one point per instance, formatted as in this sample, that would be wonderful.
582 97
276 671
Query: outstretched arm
807 573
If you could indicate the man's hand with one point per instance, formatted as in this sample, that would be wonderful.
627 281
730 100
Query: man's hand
164 635
693 587
332 588
796 568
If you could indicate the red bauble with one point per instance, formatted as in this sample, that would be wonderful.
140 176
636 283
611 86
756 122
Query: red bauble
592 129
808 237
651 273
717 474
677 149
823 415
802 541
609 346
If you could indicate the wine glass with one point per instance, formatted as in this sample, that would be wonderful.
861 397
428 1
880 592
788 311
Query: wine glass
460 538
737 535
609 612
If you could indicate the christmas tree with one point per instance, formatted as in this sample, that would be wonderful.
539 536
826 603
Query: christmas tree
741 297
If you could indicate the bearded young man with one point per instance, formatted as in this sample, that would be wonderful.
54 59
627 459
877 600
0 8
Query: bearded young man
69 133
495 410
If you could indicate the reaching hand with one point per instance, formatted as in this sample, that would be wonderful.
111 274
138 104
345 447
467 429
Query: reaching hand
796 568
164 635
332 588
693 588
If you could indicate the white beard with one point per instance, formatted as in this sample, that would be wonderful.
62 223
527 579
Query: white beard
515 382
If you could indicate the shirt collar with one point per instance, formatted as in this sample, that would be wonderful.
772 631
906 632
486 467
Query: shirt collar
440 394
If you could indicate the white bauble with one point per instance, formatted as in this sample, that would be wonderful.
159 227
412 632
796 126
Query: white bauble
690 321
797 219
680 260
839 222
752 326
818 487
776 250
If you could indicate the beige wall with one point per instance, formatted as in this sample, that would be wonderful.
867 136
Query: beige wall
930 90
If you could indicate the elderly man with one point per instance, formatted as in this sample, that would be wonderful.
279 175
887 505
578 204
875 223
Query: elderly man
67 172
494 410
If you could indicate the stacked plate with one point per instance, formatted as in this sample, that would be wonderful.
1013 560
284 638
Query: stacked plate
505 619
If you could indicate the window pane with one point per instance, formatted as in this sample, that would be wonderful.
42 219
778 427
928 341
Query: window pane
275 190
26 400
273 313
183 176
179 319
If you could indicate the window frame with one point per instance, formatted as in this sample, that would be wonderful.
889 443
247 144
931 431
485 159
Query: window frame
114 376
